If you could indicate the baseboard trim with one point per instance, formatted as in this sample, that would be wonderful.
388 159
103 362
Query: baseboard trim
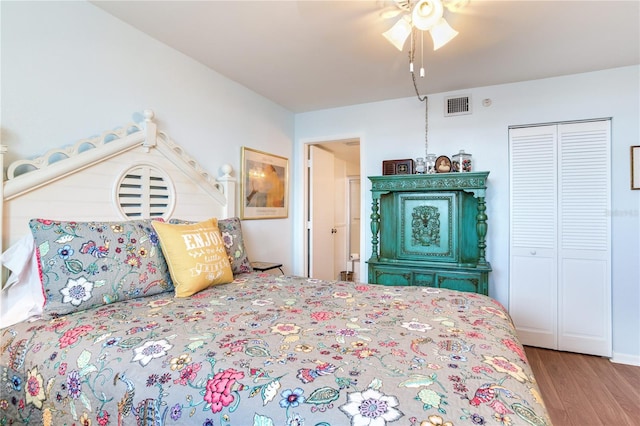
619 358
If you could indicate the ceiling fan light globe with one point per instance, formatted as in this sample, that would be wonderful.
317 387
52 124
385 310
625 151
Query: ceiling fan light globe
442 33
398 34
426 14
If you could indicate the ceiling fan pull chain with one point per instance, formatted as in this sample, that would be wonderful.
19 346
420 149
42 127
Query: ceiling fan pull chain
422 53
426 126
425 98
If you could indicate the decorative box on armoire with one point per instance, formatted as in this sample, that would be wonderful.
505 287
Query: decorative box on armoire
430 230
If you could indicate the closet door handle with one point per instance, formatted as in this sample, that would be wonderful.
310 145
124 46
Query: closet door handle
533 252
334 231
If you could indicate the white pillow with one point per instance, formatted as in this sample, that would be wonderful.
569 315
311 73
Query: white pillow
21 297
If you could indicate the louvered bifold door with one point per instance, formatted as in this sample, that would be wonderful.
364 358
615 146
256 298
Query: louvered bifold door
584 296
560 236
533 234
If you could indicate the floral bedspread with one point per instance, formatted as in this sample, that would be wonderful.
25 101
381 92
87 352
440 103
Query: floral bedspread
273 350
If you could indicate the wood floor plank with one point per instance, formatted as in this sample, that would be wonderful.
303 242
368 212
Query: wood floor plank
592 393
586 390
578 410
622 384
553 364
549 394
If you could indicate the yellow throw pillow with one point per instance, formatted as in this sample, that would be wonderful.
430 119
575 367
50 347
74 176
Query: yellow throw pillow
195 254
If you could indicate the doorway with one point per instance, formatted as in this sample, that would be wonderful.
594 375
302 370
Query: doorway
332 214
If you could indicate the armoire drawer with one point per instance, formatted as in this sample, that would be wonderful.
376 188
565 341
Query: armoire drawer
473 282
390 276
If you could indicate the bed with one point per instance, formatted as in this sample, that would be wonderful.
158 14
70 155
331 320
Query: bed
111 340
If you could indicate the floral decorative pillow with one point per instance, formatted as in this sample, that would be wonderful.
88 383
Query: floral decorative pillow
86 264
231 231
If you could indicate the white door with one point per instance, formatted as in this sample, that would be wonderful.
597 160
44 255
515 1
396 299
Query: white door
584 267
321 214
560 240
533 222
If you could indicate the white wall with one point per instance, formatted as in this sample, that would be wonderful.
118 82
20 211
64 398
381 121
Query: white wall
70 71
395 129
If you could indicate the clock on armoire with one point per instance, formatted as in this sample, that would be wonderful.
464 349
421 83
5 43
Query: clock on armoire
430 230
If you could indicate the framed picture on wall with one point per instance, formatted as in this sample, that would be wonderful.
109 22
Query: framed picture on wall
635 167
264 185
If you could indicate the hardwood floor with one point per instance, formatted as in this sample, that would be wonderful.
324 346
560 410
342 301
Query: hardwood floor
585 390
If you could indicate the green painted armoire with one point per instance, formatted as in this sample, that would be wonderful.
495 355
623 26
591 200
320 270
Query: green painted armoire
430 230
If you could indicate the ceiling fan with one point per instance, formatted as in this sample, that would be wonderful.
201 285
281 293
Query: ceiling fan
422 15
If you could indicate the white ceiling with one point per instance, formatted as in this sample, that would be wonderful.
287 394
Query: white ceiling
310 55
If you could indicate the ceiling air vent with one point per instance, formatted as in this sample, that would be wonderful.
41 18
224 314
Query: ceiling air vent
457 105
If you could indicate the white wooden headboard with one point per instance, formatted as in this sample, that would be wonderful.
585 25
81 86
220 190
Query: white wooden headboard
135 171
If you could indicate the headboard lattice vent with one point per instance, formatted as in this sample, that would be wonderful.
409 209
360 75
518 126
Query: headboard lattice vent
145 191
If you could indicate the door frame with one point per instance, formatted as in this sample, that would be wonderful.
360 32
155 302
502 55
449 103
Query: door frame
306 192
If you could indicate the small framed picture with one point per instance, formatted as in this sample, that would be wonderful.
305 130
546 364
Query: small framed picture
265 185
635 167
443 164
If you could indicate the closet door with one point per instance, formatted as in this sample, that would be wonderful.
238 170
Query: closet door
533 290
584 293
560 256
